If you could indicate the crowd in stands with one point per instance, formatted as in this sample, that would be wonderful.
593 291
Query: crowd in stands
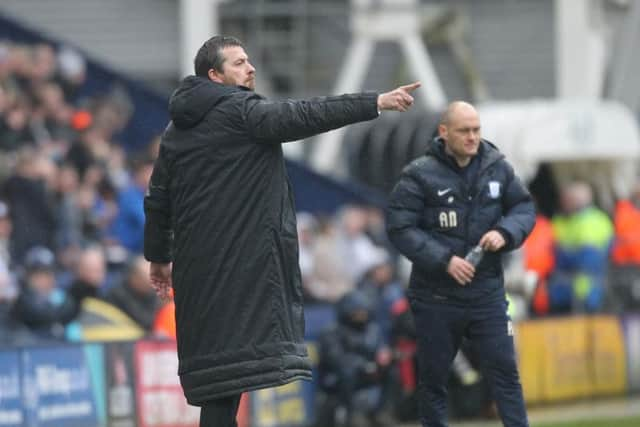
71 230
71 213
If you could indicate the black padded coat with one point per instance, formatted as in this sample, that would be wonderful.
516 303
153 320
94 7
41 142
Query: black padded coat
433 213
220 208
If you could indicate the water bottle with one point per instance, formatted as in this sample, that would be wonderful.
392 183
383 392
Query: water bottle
475 255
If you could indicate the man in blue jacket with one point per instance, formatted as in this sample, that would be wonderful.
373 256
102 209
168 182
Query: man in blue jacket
460 194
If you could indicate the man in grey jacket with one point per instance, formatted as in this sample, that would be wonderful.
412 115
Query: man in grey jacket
221 228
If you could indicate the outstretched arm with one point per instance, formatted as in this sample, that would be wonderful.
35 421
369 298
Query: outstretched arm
292 120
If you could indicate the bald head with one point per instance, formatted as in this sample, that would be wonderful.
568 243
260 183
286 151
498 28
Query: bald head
460 130
575 196
456 109
91 266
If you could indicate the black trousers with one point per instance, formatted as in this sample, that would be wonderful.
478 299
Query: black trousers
440 328
220 412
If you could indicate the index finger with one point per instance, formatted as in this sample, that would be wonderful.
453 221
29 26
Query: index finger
411 87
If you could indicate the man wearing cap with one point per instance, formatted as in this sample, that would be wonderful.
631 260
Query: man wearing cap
43 307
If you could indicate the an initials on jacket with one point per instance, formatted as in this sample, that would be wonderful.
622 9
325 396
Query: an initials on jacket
448 219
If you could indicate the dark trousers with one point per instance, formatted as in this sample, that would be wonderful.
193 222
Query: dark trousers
220 412
440 329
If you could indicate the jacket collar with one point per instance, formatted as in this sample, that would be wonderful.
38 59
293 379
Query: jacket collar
488 152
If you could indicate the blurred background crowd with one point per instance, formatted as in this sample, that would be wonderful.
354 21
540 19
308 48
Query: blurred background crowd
71 198
71 228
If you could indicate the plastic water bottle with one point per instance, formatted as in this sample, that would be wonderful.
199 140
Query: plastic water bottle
475 255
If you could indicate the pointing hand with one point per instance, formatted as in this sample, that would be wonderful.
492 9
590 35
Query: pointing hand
399 99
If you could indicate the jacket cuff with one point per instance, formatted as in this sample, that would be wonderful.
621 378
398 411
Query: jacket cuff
507 238
157 243
443 262
372 98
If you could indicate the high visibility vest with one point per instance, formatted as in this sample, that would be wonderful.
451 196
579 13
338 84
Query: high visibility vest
589 227
626 246
538 249
165 321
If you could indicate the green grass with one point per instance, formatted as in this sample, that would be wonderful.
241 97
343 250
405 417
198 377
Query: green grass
611 422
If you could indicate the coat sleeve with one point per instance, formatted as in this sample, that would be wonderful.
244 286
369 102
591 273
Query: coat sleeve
158 234
292 120
404 209
519 212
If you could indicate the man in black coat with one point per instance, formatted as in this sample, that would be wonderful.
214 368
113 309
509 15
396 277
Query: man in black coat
354 363
221 227
462 193
43 307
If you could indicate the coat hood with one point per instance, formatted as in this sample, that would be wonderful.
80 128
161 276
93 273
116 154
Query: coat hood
194 98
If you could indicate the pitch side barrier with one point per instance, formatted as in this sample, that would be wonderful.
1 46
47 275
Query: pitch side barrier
135 383
580 356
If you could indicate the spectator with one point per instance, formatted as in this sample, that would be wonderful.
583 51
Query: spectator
69 218
90 268
88 272
43 63
625 256
14 125
135 296
4 99
8 291
72 71
354 364
626 246
539 258
330 278
382 290
128 226
5 234
307 226
97 200
30 198
355 246
376 228
583 234
51 119
11 332
42 306
90 149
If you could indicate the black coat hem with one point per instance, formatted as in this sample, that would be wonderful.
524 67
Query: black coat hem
201 398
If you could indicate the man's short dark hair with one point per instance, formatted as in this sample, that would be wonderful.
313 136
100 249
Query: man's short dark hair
210 54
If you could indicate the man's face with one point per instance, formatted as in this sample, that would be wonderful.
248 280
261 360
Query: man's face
462 133
236 69
42 281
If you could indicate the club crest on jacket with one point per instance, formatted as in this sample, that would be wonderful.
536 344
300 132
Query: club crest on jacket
494 189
